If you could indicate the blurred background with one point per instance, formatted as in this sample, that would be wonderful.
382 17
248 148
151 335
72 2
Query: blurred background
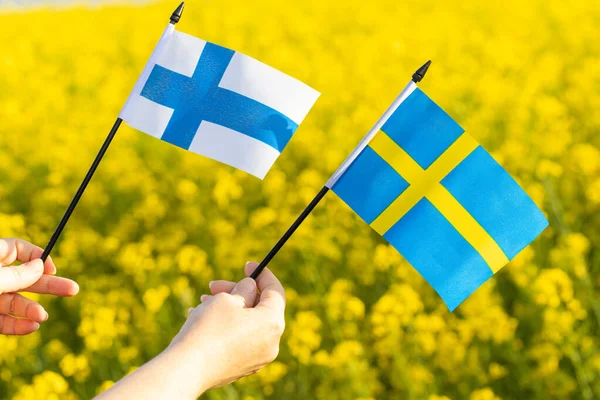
158 223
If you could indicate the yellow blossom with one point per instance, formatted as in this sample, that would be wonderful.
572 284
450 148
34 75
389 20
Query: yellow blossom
155 297
157 223
484 394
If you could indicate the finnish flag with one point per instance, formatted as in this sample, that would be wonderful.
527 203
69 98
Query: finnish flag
217 102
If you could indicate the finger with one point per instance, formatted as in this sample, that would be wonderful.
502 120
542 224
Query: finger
204 297
248 270
12 250
246 290
15 278
16 326
221 287
49 267
190 310
272 294
54 285
17 305
250 267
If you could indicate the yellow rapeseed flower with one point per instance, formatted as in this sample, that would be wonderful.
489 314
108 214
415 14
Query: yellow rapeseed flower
157 223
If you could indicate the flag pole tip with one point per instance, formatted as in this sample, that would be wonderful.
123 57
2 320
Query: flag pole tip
420 73
176 16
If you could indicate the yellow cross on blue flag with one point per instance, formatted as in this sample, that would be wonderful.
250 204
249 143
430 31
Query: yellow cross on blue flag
440 199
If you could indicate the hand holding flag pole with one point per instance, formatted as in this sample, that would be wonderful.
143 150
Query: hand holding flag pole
174 19
416 77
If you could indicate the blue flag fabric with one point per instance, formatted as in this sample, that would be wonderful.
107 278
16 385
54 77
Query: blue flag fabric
440 199
217 102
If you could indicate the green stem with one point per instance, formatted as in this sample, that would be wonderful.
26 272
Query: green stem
580 374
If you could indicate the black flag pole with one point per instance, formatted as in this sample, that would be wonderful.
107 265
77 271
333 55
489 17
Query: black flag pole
82 187
416 77
174 19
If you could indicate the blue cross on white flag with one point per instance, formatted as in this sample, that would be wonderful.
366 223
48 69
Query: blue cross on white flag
217 102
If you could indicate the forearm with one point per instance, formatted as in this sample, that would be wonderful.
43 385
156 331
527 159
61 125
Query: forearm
172 374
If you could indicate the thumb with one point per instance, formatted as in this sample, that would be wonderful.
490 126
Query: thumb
246 289
13 279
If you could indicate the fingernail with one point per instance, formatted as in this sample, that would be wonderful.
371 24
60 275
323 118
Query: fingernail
46 316
36 326
210 284
247 285
190 310
203 297
74 290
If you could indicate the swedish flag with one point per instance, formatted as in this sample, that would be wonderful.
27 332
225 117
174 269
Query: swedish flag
440 199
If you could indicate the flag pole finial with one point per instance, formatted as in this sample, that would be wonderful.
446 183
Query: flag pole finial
420 73
176 16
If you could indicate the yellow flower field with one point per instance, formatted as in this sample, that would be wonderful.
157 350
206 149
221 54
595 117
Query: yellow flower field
158 223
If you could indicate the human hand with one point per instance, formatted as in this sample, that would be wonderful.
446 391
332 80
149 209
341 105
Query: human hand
32 276
235 331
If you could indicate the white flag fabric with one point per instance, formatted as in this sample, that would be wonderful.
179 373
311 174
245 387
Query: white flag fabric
217 102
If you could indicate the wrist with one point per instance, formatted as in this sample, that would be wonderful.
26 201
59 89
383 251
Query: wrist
174 373
190 366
